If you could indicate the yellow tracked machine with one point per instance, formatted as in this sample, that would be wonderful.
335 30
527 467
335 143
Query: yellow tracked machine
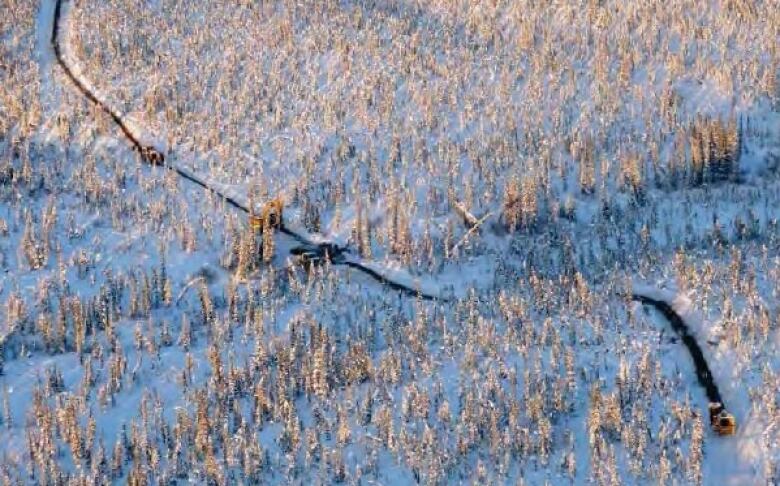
721 421
267 213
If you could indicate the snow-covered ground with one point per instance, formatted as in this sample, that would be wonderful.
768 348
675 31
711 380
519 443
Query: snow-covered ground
739 459
402 107
143 341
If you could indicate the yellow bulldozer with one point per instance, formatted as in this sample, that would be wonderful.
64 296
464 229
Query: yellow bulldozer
722 422
266 213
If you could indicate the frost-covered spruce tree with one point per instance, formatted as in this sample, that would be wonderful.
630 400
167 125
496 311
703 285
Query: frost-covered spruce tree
696 454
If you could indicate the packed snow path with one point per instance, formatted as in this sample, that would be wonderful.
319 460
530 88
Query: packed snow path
155 156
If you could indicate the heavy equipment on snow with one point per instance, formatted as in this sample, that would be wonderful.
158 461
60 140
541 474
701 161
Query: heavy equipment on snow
268 212
721 421
310 255
150 154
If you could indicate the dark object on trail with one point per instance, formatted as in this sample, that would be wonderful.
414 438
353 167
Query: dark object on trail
722 422
313 255
151 155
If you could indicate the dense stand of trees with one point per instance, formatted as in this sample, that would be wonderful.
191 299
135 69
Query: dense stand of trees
155 370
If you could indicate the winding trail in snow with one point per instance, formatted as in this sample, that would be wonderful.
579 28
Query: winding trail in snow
82 87
703 373
735 460
154 156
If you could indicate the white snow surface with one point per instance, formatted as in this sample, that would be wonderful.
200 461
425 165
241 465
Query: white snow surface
602 336
732 460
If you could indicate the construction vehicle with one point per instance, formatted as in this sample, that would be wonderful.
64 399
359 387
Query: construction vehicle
151 155
266 213
721 421
318 254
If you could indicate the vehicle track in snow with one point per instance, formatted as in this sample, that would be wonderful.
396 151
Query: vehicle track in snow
734 461
703 373
153 156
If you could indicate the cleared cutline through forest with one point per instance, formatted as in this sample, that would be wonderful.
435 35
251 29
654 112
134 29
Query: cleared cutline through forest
703 372
154 157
